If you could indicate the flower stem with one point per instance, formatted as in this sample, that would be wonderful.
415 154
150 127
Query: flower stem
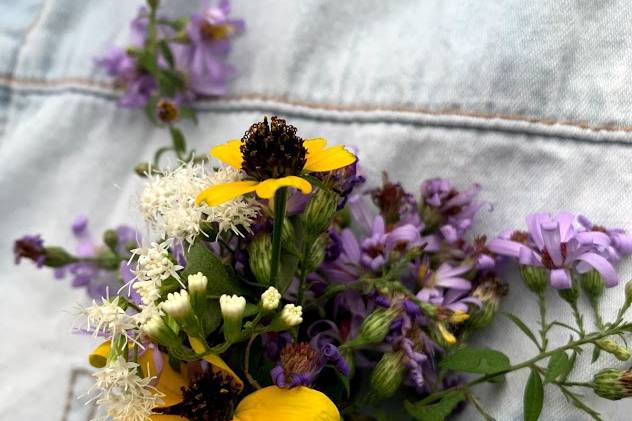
280 201
590 338
543 327
253 382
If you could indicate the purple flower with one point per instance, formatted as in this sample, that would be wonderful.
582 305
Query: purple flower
620 241
447 209
346 268
445 287
299 365
332 355
554 244
30 247
376 249
203 59
395 204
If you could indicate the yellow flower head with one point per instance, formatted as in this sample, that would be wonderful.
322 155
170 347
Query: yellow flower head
273 156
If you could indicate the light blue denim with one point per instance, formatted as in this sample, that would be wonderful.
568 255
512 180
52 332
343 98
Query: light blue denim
531 99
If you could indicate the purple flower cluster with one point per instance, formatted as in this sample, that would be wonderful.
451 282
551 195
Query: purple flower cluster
198 52
445 273
300 363
561 247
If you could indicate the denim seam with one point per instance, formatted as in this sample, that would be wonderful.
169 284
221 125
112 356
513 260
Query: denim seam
349 114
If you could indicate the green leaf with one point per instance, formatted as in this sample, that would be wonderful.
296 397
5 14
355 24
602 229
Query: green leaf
165 50
533 397
559 366
522 326
212 317
571 364
220 278
179 143
169 82
476 360
188 112
436 411
150 110
596 354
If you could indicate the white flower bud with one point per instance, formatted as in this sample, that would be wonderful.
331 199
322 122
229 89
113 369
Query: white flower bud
177 304
270 299
232 306
197 282
292 315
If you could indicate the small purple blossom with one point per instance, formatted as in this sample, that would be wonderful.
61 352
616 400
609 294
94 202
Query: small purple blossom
30 247
556 245
377 248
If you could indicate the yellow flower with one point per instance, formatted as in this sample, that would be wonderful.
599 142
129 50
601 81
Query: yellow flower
273 157
275 404
268 404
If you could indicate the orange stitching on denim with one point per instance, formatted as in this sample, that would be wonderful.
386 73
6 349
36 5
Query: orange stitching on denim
367 108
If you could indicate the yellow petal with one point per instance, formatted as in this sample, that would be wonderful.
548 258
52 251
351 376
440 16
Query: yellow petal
329 159
229 153
267 188
275 404
99 357
216 362
222 193
170 382
314 145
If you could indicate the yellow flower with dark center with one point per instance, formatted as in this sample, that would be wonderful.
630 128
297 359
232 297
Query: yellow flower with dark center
273 156
267 404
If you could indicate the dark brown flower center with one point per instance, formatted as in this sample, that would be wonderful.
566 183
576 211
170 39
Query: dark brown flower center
272 151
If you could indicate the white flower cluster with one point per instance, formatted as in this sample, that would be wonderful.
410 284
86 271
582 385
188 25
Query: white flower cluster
107 318
168 203
154 266
123 394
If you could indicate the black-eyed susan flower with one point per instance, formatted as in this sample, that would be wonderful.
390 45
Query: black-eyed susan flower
272 156
194 394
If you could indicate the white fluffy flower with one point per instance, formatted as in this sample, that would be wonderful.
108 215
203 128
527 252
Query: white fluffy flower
107 318
147 313
232 306
270 299
149 291
123 394
168 203
154 265
177 304
292 315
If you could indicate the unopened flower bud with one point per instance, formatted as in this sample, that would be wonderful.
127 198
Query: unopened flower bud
292 315
611 347
288 236
319 212
142 169
375 327
316 254
628 294
177 305
57 257
197 283
110 238
489 292
535 278
260 257
270 299
159 332
167 111
592 284
232 308
570 295
387 376
613 384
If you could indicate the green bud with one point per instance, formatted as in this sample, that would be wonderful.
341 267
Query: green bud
110 238
535 278
316 254
319 212
613 384
430 216
628 293
387 376
570 295
288 237
482 317
611 347
57 257
260 257
592 284
154 4
375 327
142 169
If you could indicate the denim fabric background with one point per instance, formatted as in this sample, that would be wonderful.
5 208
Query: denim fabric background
531 99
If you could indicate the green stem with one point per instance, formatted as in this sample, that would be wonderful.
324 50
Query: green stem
543 327
594 303
302 276
590 338
579 321
280 200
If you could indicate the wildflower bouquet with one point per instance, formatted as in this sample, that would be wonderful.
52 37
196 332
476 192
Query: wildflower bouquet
277 286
